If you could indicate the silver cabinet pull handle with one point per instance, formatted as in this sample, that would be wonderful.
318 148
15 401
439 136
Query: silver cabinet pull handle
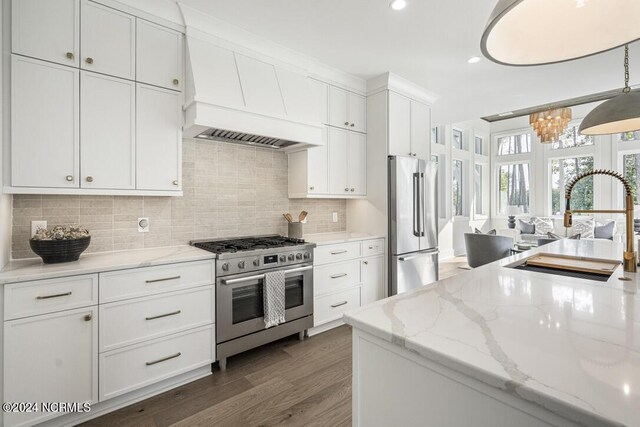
346 123
365 262
338 304
164 359
352 124
337 276
89 60
70 55
69 178
342 251
162 280
66 294
173 313
88 317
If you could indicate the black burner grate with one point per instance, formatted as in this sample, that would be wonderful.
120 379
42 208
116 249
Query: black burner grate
247 244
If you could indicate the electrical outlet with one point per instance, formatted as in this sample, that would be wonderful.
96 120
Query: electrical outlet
335 217
35 225
143 225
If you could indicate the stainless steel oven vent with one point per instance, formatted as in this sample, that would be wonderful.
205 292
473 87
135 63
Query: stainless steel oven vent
244 138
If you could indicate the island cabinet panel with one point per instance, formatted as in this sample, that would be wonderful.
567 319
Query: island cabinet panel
46 29
50 358
420 392
108 43
372 274
45 124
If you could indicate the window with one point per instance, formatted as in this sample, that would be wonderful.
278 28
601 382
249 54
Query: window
479 145
477 195
572 138
514 144
457 139
436 136
457 188
563 171
631 165
630 136
513 187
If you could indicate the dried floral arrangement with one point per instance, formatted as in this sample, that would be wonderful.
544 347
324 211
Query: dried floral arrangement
59 232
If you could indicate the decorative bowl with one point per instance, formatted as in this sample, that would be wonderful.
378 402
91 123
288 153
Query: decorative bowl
55 251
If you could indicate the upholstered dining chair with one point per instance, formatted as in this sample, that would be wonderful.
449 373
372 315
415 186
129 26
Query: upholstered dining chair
485 248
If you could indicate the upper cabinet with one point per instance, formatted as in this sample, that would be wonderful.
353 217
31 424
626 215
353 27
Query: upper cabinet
74 68
159 56
46 29
409 131
108 41
320 92
347 110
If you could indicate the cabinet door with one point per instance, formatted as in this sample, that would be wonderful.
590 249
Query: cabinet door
158 55
357 164
399 125
318 170
372 273
107 132
46 29
158 139
50 358
108 41
338 141
420 130
44 124
338 111
320 91
357 112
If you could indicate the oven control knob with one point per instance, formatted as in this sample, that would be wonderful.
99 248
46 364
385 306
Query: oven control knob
241 264
290 257
307 255
298 256
283 258
225 266
256 262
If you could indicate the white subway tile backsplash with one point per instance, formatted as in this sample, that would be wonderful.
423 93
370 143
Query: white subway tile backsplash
229 190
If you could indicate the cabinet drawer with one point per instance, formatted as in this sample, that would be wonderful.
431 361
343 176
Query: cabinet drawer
331 307
50 295
336 276
128 322
124 284
139 365
339 252
373 247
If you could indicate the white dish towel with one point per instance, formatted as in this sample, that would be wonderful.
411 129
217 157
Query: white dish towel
273 298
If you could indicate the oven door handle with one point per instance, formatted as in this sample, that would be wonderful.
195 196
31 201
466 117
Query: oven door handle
261 276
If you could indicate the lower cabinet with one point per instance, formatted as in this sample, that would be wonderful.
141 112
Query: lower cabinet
345 276
50 358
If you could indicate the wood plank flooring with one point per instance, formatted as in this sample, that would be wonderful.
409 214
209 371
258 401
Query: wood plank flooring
288 382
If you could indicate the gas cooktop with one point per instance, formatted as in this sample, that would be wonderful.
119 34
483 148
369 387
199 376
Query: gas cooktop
241 244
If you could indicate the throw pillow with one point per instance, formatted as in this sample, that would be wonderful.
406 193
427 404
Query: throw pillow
493 232
604 231
527 227
556 236
583 227
543 225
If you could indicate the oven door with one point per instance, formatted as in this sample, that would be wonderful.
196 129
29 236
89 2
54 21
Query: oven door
240 305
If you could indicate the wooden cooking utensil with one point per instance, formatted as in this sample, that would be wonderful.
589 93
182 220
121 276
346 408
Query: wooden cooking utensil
302 215
288 217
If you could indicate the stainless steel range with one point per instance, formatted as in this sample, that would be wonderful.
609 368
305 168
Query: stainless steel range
241 265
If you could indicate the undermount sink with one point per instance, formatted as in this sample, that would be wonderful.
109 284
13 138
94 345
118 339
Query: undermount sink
569 266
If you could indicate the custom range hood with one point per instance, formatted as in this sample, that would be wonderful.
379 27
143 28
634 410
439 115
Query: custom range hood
237 95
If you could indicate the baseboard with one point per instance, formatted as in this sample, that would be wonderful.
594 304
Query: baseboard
325 327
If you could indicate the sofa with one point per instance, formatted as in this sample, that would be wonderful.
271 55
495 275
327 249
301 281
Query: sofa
583 225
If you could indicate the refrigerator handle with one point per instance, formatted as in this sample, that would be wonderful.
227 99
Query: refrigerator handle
422 207
416 204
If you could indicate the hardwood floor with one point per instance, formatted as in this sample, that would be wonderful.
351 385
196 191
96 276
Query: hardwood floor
288 382
452 266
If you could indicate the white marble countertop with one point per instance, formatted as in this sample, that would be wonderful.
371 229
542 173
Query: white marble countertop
569 345
338 237
34 268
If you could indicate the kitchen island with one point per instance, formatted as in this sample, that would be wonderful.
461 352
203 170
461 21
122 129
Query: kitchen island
497 346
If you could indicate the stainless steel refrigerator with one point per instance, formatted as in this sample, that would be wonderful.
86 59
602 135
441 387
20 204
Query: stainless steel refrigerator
413 223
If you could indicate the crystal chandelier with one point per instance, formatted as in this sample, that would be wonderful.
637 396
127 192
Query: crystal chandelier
550 124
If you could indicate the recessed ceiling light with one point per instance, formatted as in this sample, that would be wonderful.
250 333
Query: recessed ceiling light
398 4
473 59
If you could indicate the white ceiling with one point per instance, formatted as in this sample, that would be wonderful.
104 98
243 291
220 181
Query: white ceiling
427 43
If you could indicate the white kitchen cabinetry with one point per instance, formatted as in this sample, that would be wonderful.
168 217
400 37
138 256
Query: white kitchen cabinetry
46 29
357 164
409 129
107 132
45 119
320 91
347 163
158 55
309 172
346 275
108 41
347 110
158 138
